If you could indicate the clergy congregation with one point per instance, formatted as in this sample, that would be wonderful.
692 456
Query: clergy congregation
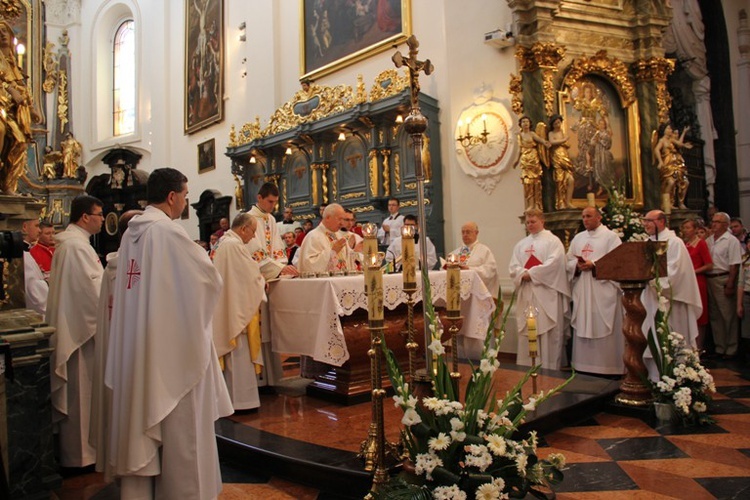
206 203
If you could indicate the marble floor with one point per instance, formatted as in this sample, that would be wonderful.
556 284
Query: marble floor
609 456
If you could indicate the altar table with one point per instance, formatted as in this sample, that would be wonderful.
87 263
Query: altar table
306 318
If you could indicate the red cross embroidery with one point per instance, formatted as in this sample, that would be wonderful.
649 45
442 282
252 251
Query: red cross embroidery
587 251
134 273
530 250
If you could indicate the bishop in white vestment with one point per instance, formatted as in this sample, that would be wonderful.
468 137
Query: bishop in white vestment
477 256
598 344
236 327
162 367
537 268
75 281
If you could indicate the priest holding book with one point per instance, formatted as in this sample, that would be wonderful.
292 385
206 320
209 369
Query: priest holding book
537 268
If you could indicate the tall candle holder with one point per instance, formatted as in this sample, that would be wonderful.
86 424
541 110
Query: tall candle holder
374 448
369 248
531 315
410 288
453 311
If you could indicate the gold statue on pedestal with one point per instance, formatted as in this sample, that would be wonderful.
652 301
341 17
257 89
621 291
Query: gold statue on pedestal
561 163
666 144
71 151
15 114
533 154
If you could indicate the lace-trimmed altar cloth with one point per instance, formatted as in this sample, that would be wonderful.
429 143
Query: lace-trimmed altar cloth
305 314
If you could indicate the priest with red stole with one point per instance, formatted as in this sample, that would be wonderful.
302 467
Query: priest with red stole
537 268
162 367
237 335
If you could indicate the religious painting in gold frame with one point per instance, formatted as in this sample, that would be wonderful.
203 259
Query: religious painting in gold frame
603 138
337 33
204 63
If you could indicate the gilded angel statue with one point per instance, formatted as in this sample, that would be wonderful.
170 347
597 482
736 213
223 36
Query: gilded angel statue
561 163
666 143
533 147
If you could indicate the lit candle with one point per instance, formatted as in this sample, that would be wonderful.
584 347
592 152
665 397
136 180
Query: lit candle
591 199
666 203
453 287
531 331
409 259
369 248
458 130
484 122
375 296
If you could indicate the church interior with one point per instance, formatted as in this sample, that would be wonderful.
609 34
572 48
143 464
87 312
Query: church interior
435 103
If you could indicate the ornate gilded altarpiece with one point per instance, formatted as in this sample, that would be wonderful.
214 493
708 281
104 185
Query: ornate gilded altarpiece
345 145
600 64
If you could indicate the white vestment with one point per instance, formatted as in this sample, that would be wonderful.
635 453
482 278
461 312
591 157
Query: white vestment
238 303
162 367
316 254
394 223
548 291
75 281
478 257
681 286
101 395
393 253
267 248
599 344
35 285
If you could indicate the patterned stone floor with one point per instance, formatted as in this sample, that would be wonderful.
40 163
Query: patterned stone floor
609 457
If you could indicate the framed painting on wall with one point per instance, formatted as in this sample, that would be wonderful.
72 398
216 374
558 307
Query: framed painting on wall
206 156
337 33
204 63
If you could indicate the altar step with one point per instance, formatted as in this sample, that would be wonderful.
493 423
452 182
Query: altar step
338 473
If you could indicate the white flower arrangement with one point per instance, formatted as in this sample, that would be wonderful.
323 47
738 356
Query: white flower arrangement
621 219
470 449
683 381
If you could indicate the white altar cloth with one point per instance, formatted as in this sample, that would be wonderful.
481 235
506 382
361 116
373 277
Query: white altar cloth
305 313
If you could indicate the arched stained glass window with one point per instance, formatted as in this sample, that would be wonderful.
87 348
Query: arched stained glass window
124 79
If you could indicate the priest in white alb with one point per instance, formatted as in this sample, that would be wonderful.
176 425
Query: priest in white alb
324 249
236 319
75 281
679 287
478 257
267 248
162 367
537 268
598 342
101 395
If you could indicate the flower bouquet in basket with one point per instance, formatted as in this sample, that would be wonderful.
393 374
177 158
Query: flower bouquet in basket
469 449
683 382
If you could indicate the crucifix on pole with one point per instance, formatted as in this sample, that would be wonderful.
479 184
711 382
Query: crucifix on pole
415 124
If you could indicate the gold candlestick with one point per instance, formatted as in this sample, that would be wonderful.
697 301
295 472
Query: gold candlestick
373 448
410 287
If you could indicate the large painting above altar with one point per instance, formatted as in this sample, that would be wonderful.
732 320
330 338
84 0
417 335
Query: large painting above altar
337 33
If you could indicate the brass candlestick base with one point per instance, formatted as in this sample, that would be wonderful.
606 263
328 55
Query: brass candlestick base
374 448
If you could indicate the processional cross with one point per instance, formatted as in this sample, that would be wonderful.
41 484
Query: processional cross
415 67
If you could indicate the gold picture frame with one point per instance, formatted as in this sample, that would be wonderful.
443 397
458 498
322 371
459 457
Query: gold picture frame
207 156
601 120
333 39
204 63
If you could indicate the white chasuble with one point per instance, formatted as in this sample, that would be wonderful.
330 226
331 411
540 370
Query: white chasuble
75 281
162 366
542 256
238 304
596 319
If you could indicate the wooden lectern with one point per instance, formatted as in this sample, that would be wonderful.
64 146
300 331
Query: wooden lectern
632 265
